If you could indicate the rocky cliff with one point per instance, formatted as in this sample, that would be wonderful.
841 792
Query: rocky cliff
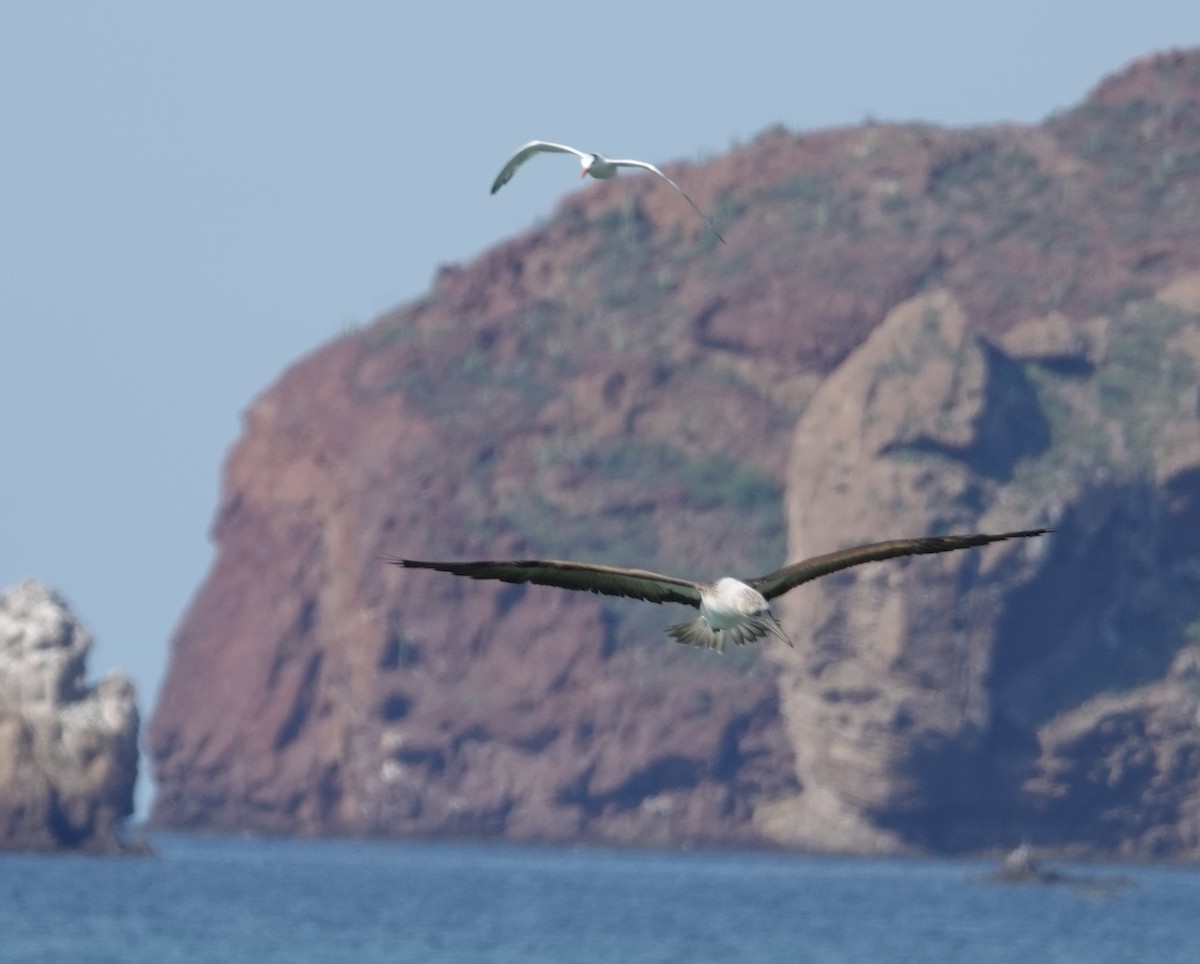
68 751
911 330
965 701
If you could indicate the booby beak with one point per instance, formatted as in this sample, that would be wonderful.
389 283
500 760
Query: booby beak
772 626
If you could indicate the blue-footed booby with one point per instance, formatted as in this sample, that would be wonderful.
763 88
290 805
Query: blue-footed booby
729 608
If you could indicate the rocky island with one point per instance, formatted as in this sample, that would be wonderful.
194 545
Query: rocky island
912 330
68 750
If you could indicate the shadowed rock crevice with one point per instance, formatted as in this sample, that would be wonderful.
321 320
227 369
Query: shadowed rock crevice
1010 425
1111 606
666 774
302 704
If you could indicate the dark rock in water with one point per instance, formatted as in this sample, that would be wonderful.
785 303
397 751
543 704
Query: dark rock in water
1019 867
68 751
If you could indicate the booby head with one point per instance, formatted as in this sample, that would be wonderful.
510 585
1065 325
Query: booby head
729 608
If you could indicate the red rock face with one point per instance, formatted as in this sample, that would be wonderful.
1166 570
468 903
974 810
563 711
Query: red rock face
393 702
618 387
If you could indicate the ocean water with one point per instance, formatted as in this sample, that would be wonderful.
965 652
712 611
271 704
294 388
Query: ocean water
254 900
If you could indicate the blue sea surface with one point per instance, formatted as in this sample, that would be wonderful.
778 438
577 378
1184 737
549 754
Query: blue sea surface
258 900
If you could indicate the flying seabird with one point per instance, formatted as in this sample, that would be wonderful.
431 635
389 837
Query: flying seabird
729 607
597 165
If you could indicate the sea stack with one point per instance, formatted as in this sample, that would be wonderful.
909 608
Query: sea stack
68 751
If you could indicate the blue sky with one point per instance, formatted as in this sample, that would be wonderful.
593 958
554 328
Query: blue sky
194 195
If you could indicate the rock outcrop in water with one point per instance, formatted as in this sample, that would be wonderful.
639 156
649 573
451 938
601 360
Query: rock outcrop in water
911 330
68 751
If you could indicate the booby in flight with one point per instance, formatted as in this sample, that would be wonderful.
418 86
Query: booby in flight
729 608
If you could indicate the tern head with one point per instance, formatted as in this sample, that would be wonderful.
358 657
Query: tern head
586 163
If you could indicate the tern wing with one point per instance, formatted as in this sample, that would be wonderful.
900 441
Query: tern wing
607 580
777 583
524 154
647 166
